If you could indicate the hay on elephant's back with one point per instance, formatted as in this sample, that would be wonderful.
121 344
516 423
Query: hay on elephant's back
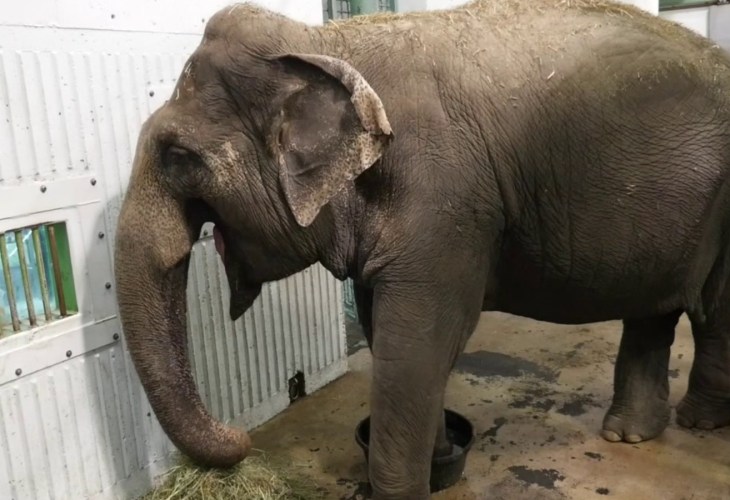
256 478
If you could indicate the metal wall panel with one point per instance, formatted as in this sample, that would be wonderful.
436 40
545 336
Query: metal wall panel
84 429
295 325
74 430
719 25
71 104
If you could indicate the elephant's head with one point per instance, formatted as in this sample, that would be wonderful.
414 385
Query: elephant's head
260 133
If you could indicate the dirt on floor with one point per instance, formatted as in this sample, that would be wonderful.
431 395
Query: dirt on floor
536 394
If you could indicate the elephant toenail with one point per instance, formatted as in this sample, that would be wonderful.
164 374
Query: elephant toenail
610 436
633 438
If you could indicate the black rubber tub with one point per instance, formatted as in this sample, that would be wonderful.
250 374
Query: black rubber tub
445 471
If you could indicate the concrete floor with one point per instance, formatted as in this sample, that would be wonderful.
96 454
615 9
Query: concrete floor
536 394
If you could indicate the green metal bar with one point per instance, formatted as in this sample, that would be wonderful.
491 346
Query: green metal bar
67 275
9 283
669 5
57 271
26 279
45 292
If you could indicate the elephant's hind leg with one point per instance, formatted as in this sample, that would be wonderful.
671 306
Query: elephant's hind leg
640 408
707 402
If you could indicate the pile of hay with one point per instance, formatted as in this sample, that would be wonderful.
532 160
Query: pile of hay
256 478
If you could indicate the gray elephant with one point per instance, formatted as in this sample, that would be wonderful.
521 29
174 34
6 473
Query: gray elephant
561 160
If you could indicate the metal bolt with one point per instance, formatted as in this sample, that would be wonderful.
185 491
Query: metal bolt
68 354
43 189
115 336
107 285
93 182
18 372
101 234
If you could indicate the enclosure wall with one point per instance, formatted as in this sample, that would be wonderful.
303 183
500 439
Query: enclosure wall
77 79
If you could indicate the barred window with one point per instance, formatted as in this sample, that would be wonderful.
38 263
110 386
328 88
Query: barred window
36 282
686 4
336 9
342 9
386 5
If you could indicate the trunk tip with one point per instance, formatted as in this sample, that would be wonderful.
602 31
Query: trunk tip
229 447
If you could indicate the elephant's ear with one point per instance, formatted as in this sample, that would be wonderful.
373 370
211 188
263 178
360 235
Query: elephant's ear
331 128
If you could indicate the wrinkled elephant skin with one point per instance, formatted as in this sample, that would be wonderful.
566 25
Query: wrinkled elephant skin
564 161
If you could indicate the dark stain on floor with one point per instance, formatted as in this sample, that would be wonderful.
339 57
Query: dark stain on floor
603 491
577 406
545 478
485 364
361 490
491 433
674 373
595 456
535 398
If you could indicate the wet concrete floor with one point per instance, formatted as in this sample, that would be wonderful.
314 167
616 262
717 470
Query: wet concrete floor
536 394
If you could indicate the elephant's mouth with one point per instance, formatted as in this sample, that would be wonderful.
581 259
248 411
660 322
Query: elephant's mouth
220 243
243 293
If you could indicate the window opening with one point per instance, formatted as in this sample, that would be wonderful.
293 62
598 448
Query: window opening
685 4
386 5
336 9
36 282
342 9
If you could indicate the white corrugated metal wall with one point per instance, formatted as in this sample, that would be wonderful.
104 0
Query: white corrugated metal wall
76 81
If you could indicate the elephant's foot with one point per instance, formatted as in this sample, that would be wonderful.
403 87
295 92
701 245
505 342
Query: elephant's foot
707 402
640 410
703 412
637 422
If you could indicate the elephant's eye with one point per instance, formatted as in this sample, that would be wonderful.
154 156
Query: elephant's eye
177 157
174 155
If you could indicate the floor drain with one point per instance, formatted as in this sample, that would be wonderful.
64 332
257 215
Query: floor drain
296 387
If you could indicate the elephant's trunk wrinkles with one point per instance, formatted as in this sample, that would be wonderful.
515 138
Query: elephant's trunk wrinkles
152 255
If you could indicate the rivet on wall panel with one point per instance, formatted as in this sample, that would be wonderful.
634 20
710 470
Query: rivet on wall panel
101 234
107 285
93 182
115 336
68 354
43 189
18 372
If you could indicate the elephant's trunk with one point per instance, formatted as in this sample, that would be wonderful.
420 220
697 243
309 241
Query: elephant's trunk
154 240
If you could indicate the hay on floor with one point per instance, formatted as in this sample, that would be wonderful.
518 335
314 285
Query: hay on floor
256 478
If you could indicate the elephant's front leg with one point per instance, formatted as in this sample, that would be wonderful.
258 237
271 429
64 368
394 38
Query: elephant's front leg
417 336
364 303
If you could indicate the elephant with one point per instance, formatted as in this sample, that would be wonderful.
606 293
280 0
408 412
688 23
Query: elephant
561 160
